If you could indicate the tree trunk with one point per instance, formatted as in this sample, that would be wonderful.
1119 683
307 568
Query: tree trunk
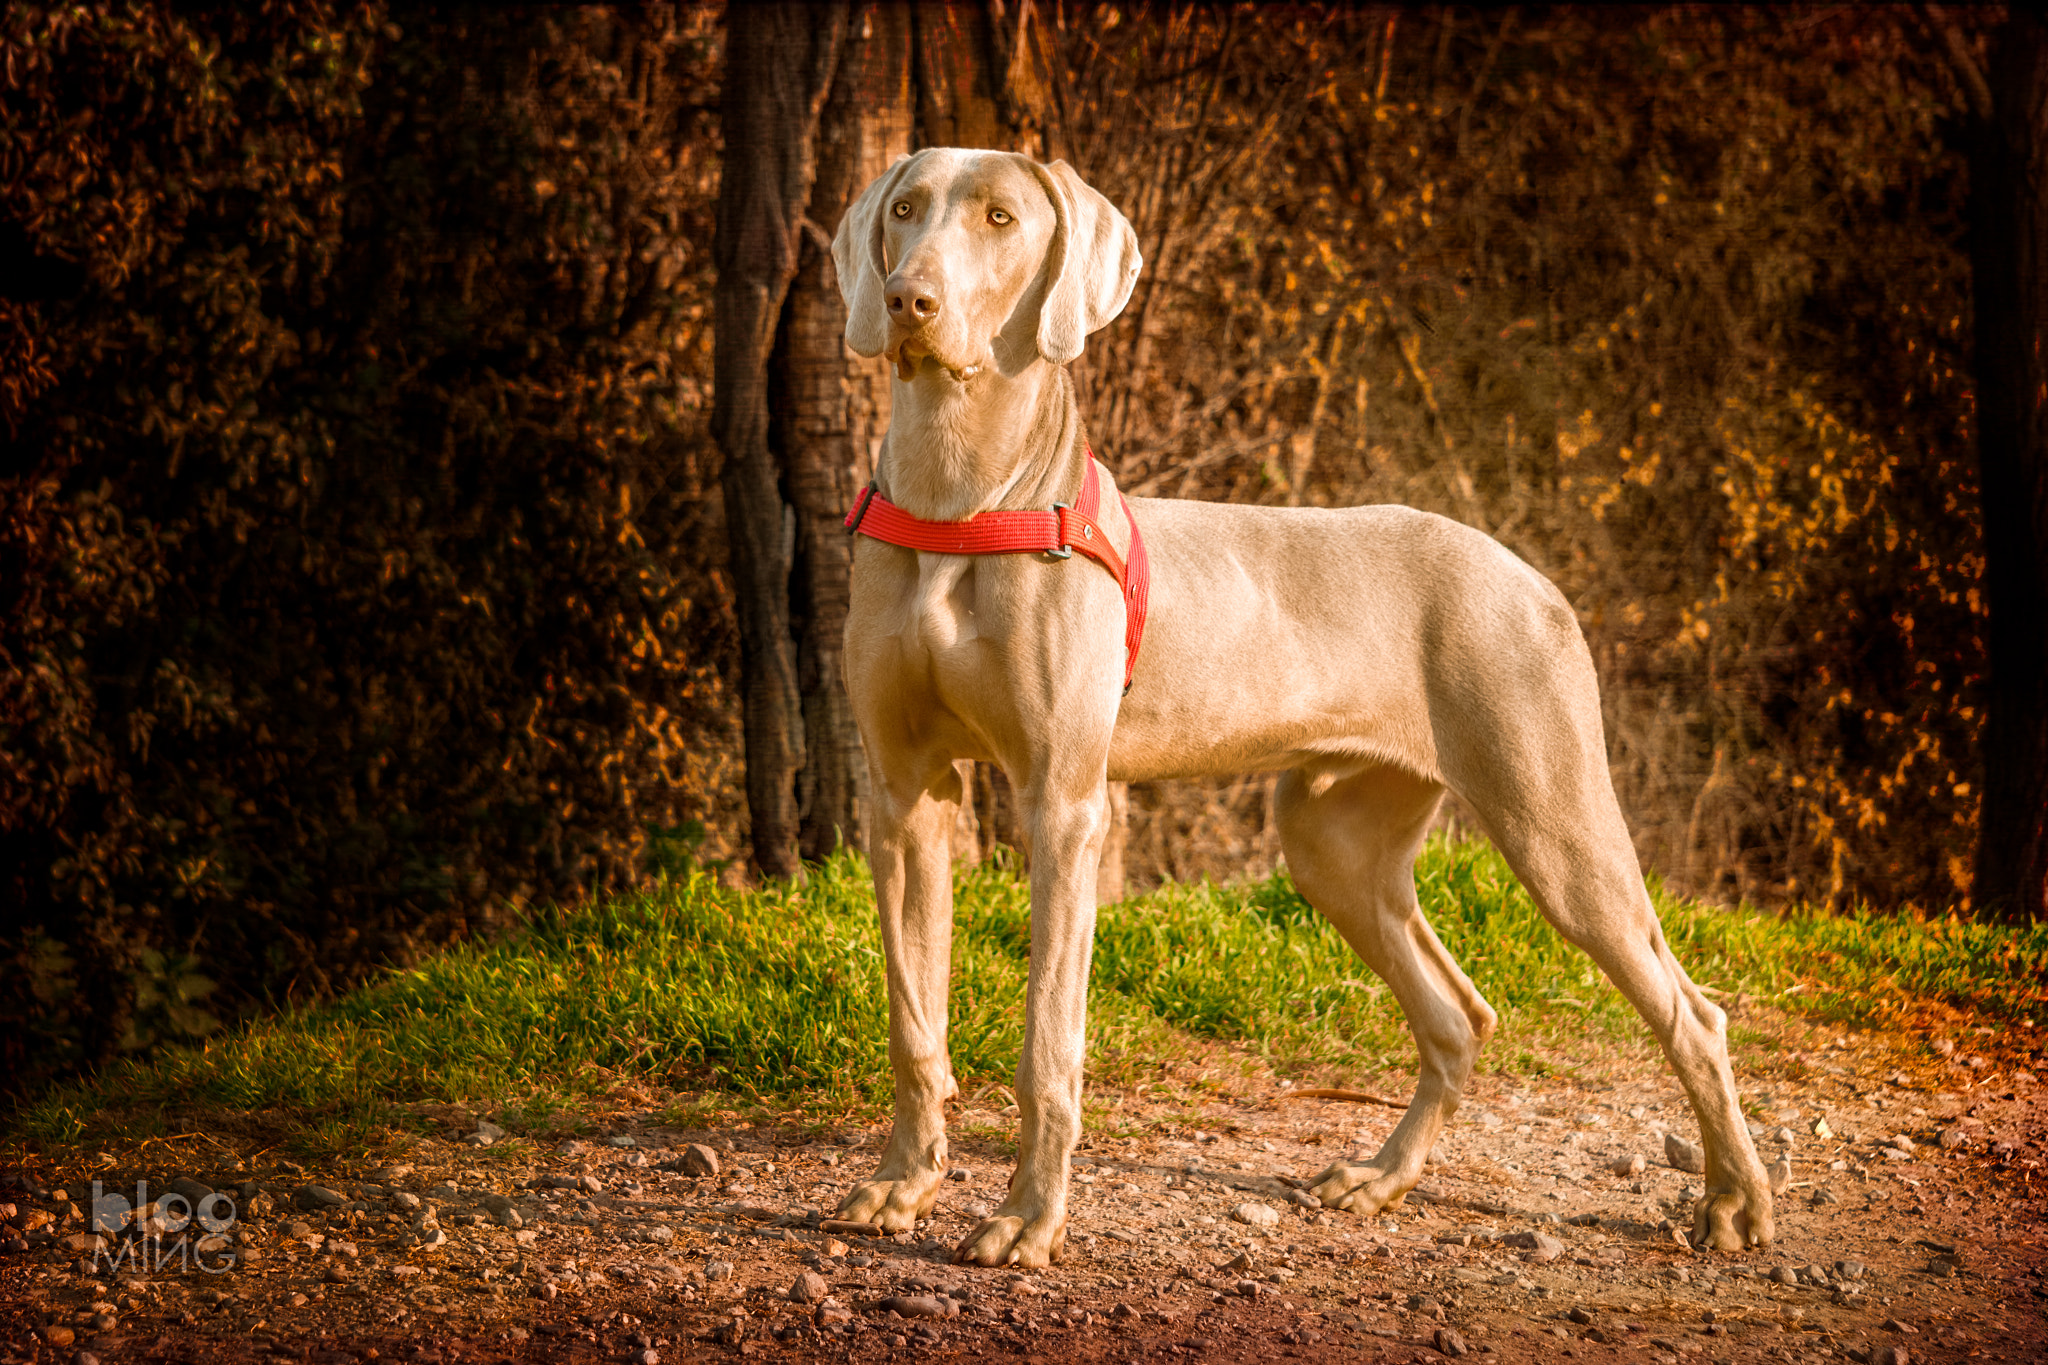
831 409
819 100
2009 235
780 61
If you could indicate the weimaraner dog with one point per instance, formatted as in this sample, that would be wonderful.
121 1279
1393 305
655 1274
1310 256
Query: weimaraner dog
1377 656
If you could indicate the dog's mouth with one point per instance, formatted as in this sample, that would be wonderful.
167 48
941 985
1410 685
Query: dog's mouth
912 351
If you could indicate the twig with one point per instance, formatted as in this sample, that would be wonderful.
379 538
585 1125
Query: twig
1348 1096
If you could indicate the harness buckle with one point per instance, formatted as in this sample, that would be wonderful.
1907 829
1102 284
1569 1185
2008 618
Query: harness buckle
1065 551
867 496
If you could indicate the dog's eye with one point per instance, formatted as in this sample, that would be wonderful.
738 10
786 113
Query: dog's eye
998 217
901 208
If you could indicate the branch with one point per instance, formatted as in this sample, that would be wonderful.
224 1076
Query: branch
1976 90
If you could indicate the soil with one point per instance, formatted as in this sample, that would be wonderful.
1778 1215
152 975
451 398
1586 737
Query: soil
1882 1254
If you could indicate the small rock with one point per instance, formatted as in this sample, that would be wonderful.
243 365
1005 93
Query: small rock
1824 1195
1821 1129
85 1358
809 1287
1890 1354
1783 1274
622 1140
58 1336
919 1306
1902 1142
1450 1343
697 1159
1683 1155
1780 1173
1580 1315
489 1131
313 1198
650 1356
718 1270
401 1200
1849 1270
1256 1215
1894 1325
1952 1138
190 1190
570 1147
959 1173
1632 1164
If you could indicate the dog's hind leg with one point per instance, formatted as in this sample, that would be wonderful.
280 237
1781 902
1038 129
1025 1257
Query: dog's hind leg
1350 846
1528 756
1582 873
910 847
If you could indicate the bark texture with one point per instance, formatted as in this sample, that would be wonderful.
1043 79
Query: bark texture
2009 236
831 410
780 61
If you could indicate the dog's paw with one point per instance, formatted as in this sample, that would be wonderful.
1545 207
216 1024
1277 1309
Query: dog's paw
1733 1220
1011 1239
1357 1189
895 1204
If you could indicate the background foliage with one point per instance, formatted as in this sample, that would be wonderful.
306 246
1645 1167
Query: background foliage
360 580
355 559
1673 302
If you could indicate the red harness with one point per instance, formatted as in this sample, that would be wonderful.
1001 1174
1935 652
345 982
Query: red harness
1059 533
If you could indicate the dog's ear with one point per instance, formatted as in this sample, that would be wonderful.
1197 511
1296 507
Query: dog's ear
1089 267
857 260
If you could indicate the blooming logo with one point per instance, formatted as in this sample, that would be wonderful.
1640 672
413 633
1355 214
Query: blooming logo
169 1230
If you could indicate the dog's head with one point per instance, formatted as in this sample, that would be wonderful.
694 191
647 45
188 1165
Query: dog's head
973 258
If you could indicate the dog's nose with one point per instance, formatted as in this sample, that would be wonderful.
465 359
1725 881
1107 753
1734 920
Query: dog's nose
914 300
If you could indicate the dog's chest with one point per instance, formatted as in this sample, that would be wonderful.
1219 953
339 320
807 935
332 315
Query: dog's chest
940 611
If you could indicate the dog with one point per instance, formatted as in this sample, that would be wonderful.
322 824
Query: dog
1376 656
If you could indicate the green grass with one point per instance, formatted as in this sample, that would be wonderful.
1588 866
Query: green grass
776 996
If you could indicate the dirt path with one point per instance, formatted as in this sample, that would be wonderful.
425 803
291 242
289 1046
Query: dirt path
1937 1254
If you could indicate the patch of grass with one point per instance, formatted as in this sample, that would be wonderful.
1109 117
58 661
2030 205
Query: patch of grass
776 997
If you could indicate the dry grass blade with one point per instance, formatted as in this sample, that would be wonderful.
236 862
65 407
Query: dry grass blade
1348 1096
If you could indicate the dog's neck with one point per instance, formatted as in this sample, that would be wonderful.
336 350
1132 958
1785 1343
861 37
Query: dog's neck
957 447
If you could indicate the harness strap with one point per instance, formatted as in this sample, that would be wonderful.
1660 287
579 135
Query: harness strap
1059 532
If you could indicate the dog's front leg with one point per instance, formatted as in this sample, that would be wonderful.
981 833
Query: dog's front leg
911 852
1030 1227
